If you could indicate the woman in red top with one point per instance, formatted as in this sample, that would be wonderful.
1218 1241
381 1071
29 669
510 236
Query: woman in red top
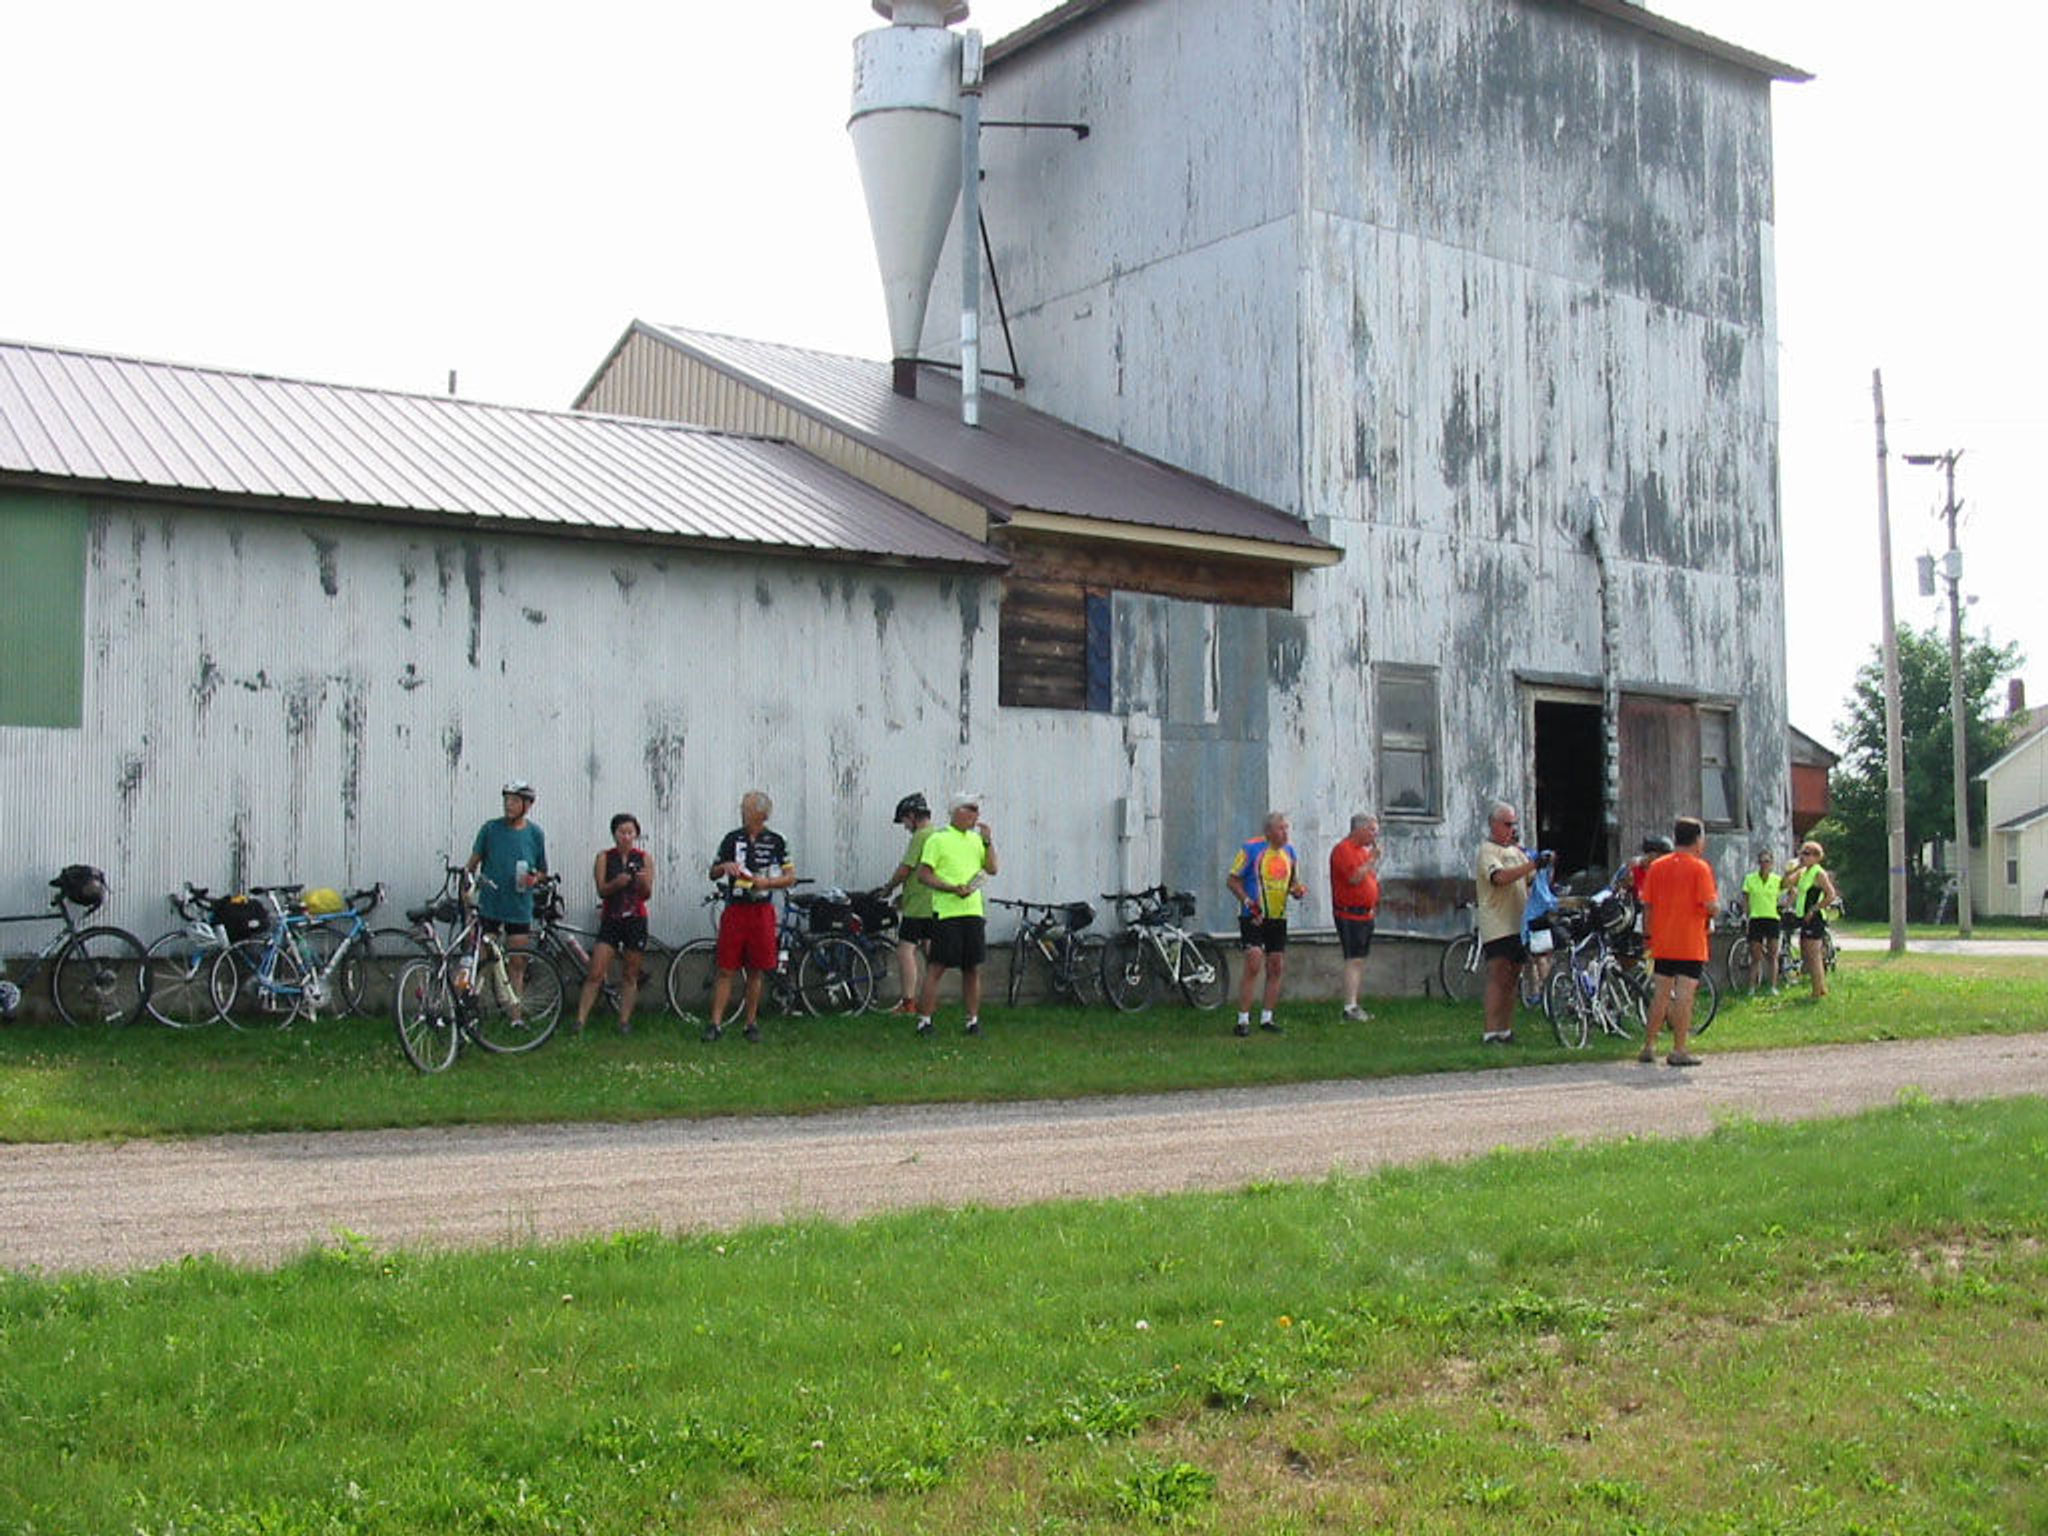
624 881
1679 892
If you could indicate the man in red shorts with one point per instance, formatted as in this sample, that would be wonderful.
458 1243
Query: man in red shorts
756 862
1679 893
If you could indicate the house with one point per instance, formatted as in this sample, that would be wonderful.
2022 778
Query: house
2009 877
1476 292
1811 796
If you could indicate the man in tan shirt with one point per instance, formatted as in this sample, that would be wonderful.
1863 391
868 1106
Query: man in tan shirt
1503 871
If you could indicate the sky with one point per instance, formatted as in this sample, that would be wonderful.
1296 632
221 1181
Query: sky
381 193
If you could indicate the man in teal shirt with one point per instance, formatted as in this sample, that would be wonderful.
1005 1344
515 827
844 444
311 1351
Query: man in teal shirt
957 858
512 852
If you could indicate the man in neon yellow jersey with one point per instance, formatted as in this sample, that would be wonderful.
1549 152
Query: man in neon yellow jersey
957 859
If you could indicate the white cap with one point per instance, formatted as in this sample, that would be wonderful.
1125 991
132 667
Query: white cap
961 797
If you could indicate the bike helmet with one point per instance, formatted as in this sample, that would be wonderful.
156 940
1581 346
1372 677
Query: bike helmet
1657 844
912 805
521 787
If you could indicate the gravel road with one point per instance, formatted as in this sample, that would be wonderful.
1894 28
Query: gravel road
262 1199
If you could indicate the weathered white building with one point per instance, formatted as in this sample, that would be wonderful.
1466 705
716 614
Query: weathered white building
1477 291
2009 876
1396 430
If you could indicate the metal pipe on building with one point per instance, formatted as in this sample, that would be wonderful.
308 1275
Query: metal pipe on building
1610 682
970 226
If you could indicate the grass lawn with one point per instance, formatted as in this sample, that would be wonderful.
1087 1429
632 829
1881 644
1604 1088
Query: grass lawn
59 1084
1986 928
1835 1326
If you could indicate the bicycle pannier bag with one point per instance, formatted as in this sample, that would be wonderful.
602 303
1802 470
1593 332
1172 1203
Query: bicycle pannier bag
240 917
82 885
1079 916
874 912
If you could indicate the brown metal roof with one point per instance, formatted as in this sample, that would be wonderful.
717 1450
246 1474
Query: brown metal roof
153 428
1628 12
1017 460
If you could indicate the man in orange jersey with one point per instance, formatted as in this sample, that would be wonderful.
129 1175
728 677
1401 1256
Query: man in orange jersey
1678 891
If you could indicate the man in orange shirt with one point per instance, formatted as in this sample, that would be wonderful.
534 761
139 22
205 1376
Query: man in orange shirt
1355 900
1679 892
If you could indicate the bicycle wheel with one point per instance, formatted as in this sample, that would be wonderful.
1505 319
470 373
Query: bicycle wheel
654 969
1706 1003
1084 969
1204 973
1565 1001
1623 1003
180 981
1022 948
690 978
510 1017
888 980
1535 976
255 989
101 977
384 952
1127 976
1458 968
423 1003
833 978
1741 959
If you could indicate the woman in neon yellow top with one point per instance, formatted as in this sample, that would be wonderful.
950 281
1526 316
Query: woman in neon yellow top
1761 890
1815 897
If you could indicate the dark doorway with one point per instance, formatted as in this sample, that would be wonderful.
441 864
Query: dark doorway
1570 770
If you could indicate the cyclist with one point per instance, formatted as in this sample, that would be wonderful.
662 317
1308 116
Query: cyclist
1263 877
955 861
757 863
1762 889
1503 871
512 852
914 933
1814 893
1679 894
1355 900
625 879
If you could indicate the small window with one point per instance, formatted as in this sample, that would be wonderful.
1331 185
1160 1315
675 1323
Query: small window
1411 783
2012 859
1719 792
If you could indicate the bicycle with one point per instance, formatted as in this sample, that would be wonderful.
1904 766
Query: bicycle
1791 959
1591 986
1461 968
571 947
99 974
464 991
181 960
872 929
1154 952
300 964
1052 940
816 972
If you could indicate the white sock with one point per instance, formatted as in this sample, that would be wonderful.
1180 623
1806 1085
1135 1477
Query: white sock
1244 1018
1265 1015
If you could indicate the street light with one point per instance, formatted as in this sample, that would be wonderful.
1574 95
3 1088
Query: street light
1952 573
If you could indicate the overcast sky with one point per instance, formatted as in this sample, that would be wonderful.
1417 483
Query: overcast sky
379 193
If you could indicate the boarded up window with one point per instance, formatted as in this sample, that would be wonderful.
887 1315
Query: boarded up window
1410 748
42 622
1055 647
1660 765
1720 790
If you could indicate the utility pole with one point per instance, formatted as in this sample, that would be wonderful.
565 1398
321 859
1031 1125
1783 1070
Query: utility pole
1952 571
1894 748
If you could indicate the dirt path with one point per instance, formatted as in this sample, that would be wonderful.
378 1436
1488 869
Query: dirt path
262 1199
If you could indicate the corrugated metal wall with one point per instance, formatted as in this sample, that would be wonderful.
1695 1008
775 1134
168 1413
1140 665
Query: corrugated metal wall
1438 274
272 697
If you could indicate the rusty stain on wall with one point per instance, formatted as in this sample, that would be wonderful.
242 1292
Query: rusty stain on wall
324 549
662 756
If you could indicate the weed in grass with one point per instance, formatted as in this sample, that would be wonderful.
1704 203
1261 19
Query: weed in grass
1162 1493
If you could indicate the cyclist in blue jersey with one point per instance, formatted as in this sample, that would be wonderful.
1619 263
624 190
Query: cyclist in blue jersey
512 852
1264 876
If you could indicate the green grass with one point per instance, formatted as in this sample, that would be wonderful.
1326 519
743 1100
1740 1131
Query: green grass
1986 928
58 1084
1830 1327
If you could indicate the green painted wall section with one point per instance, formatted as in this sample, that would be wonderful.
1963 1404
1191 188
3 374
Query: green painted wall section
42 609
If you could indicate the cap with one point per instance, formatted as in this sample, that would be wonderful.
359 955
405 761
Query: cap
961 797
912 805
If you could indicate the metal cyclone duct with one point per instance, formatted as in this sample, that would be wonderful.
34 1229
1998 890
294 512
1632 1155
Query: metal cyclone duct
906 140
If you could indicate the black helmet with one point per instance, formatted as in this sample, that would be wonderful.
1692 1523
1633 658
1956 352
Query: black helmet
912 805
1657 844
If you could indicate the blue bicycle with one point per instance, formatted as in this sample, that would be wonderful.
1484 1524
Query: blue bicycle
303 963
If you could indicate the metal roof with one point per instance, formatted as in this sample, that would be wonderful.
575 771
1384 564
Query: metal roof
2021 823
162 429
1018 459
1629 12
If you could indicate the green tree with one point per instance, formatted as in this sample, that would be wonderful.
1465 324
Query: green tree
1855 829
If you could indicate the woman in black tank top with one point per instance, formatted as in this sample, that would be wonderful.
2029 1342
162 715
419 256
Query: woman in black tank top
624 877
